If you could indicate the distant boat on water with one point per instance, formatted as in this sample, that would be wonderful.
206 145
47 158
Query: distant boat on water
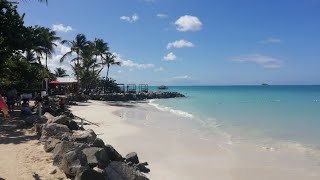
163 87
264 84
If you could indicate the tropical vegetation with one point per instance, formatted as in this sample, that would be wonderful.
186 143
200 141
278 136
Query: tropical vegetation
25 50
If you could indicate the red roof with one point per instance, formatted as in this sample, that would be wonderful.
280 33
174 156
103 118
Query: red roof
54 82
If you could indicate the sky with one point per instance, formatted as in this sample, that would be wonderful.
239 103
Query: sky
193 42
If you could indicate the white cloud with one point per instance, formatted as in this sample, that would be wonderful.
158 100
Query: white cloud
188 23
158 69
264 61
131 64
54 63
181 77
62 48
61 28
170 57
271 40
180 44
131 19
162 16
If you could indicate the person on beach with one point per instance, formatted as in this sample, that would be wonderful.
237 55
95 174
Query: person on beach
11 99
25 109
18 100
3 107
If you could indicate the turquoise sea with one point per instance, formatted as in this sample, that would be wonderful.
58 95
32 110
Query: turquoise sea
263 114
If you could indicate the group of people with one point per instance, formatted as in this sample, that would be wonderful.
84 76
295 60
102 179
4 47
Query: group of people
7 105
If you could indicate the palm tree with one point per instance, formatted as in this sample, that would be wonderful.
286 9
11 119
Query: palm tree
111 60
77 46
60 72
101 50
29 56
49 43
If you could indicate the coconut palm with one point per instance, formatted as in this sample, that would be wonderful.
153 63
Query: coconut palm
77 46
60 72
50 40
111 60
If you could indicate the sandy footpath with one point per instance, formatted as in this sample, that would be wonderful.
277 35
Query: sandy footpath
185 157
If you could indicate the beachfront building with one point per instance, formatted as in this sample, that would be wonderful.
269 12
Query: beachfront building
63 86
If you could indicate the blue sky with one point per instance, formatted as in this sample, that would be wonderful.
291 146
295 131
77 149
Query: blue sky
194 42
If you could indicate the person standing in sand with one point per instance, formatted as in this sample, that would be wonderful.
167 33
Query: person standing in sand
4 107
11 99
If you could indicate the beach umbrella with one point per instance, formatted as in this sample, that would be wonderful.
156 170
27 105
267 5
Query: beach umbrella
54 82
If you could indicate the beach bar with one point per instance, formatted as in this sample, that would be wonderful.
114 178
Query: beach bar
63 86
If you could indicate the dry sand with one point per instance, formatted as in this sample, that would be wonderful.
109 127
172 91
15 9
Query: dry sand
185 157
23 158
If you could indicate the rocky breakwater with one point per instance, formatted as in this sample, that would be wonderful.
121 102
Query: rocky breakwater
136 96
81 155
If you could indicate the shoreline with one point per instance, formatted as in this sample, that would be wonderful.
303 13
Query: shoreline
185 157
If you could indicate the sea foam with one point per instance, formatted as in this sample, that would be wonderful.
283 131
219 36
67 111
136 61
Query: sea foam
168 109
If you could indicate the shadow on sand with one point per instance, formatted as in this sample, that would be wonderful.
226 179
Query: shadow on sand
12 130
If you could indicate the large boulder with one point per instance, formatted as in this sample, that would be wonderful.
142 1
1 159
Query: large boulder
87 136
84 173
97 143
51 143
72 161
72 125
121 171
64 147
52 129
62 119
132 157
113 154
142 167
49 117
96 157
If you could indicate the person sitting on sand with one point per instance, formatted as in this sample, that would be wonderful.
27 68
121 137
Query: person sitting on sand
25 109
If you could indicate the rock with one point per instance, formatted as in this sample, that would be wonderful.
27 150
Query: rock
87 136
142 167
113 154
121 171
98 143
49 117
88 174
37 128
62 148
72 161
72 125
96 157
101 171
52 129
65 136
53 171
62 119
132 157
50 144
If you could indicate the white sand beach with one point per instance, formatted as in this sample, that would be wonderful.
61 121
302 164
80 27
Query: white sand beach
172 156
22 158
